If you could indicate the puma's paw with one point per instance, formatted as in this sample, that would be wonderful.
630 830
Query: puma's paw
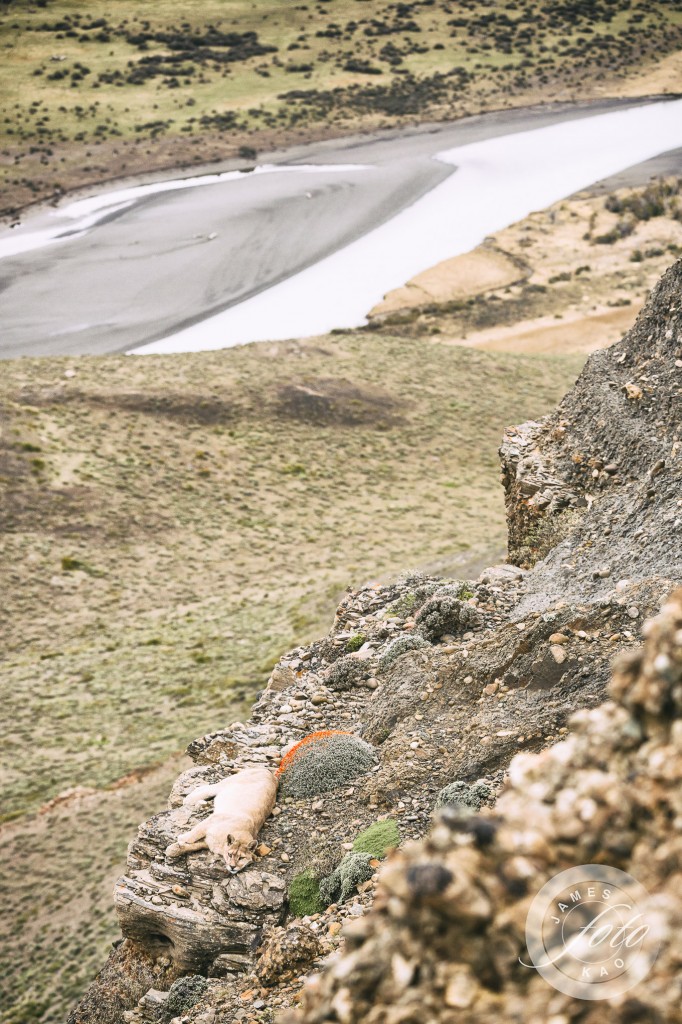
192 800
174 850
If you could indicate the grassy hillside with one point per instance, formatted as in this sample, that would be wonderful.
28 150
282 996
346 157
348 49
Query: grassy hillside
96 92
169 526
57 872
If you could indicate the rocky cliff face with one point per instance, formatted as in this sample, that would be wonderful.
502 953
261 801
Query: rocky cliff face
593 490
447 931
448 680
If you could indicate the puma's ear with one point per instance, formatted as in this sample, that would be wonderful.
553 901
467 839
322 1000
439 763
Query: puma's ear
229 839
253 844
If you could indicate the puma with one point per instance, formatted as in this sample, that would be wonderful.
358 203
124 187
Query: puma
241 805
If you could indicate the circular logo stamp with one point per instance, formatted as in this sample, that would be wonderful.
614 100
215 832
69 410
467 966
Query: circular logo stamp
587 934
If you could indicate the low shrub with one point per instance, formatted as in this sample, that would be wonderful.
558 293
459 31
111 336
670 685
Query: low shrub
313 737
446 612
353 869
324 761
401 645
403 605
183 994
657 199
422 588
622 229
71 564
346 672
468 797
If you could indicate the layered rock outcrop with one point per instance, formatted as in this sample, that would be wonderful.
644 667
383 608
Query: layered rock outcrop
594 489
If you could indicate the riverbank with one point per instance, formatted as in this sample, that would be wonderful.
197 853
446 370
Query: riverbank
496 181
116 287
329 144
567 279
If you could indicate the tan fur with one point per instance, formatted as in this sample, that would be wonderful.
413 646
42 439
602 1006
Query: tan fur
241 805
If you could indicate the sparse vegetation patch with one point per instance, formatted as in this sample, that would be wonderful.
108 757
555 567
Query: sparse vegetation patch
106 92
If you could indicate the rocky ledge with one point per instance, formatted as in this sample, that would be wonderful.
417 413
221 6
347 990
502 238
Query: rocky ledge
448 680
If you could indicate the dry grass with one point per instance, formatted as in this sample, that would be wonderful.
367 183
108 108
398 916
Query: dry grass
57 874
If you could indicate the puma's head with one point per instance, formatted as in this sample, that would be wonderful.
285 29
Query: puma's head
239 852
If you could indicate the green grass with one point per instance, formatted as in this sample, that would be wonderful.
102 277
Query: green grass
304 895
435 60
378 839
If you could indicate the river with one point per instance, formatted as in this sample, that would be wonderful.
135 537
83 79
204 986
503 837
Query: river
304 246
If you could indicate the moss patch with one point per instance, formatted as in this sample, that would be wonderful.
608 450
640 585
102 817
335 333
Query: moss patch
378 838
304 895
